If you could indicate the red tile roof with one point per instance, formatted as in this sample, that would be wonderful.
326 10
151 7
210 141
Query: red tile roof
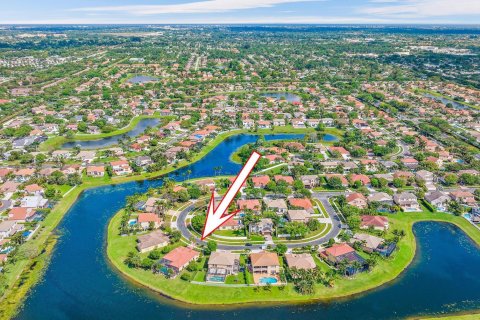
339 249
374 221
180 256
302 203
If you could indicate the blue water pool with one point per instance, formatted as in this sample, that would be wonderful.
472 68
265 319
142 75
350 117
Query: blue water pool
268 280
216 279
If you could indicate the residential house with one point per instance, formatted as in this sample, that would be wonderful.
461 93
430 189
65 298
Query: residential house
146 219
341 150
263 227
382 198
250 204
357 199
21 214
153 240
340 252
222 264
375 222
438 200
8 228
143 161
33 202
265 263
301 203
231 224
298 215
464 197
121 167
96 171
407 201
177 259
277 205
260 181
370 243
301 261
309 181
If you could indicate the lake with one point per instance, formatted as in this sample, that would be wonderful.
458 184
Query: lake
141 79
141 126
290 97
80 284
445 101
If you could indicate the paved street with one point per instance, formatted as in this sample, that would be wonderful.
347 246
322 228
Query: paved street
321 196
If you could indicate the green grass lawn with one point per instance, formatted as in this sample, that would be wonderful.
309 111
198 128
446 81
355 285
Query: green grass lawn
235 278
231 233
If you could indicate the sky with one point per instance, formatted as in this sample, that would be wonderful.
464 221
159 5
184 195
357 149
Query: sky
240 11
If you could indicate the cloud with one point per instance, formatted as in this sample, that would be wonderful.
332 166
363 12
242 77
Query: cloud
425 8
209 6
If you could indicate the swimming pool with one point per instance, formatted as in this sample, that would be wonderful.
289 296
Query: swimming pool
132 222
216 278
270 280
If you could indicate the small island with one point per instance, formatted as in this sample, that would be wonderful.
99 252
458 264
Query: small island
298 236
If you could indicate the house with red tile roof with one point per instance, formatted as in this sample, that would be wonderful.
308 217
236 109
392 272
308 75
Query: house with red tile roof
95 171
121 167
144 220
341 150
287 179
302 203
376 222
21 214
249 204
260 181
410 162
273 158
177 259
364 179
335 252
357 199
231 224
34 189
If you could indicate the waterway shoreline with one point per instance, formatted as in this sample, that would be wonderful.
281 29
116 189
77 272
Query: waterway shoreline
34 268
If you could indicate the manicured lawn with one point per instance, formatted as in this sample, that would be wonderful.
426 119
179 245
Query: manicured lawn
231 233
236 279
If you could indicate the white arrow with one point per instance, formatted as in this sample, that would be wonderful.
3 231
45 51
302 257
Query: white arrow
216 217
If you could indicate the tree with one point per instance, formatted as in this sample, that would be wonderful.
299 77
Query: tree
399 183
305 287
296 229
456 208
450 179
133 260
281 249
335 183
313 224
211 247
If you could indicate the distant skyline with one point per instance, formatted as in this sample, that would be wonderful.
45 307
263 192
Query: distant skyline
240 11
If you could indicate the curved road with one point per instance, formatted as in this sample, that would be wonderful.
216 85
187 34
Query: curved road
337 225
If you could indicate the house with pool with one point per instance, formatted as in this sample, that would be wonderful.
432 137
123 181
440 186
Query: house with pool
265 268
221 264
